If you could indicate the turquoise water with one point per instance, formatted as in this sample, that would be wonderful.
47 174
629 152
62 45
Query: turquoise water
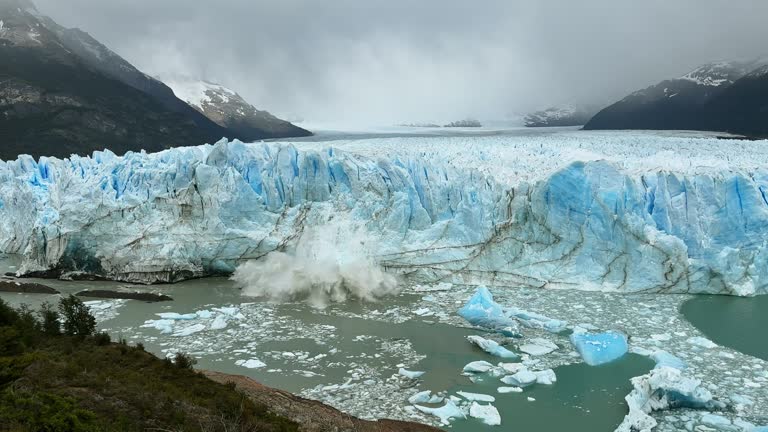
736 322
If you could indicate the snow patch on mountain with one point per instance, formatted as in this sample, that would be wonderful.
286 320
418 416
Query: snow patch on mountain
198 93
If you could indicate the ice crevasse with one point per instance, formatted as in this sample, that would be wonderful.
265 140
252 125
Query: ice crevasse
198 211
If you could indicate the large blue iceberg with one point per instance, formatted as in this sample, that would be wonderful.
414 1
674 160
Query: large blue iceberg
600 348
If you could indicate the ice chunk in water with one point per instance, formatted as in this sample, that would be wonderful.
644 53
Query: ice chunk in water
509 390
481 310
488 414
663 388
538 347
410 374
478 367
476 397
445 413
492 347
190 330
663 358
521 379
251 364
600 348
220 322
176 316
546 377
702 342
425 397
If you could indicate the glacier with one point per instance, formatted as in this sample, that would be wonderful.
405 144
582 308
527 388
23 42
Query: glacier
549 211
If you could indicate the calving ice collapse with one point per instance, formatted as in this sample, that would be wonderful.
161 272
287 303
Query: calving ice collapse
618 214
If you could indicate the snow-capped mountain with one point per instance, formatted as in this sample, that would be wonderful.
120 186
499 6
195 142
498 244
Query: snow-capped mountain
688 102
565 115
228 109
62 94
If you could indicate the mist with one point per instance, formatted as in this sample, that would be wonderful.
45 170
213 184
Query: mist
330 263
383 62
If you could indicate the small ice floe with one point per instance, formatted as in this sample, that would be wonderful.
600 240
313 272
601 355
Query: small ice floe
523 378
538 347
196 328
177 316
476 397
488 414
410 374
425 397
445 413
504 390
663 358
600 348
423 312
251 363
492 347
702 342
478 367
546 377
530 399
219 323
481 310
164 325
661 389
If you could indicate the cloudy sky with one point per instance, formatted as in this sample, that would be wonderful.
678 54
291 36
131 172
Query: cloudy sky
383 61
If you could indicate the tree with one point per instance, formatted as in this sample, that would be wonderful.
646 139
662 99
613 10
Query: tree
50 319
78 320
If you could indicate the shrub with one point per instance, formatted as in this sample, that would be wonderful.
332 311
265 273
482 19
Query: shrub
184 360
49 318
140 346
78 320
102 338
10 342
8 315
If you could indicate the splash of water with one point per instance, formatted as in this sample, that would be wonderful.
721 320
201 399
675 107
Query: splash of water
330 264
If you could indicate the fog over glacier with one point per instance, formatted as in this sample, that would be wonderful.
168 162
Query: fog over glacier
392 61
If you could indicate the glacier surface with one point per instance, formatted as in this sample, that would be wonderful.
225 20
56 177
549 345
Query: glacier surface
589 211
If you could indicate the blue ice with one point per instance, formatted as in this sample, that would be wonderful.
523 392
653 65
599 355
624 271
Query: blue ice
600 348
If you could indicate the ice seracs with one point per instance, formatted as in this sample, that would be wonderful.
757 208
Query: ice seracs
604 217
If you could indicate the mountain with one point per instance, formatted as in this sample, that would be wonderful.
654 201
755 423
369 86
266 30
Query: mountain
703 99
566 115
63 92
228 109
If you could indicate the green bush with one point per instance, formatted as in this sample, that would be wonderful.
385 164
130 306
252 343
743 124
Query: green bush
78 320
102 338
184 361
50 320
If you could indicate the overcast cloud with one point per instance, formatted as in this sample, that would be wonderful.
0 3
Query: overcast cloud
377 62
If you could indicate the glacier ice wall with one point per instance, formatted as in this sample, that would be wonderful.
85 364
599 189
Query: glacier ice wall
192 212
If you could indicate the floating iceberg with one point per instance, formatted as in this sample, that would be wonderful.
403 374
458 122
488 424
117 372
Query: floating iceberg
251 363
410 374
425 397
472 397
538 347
478 367
488 414
445 413
492 347
611 214
663 388
600 348
482 311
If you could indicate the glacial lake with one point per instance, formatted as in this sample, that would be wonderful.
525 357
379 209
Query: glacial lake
583 398
741 322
